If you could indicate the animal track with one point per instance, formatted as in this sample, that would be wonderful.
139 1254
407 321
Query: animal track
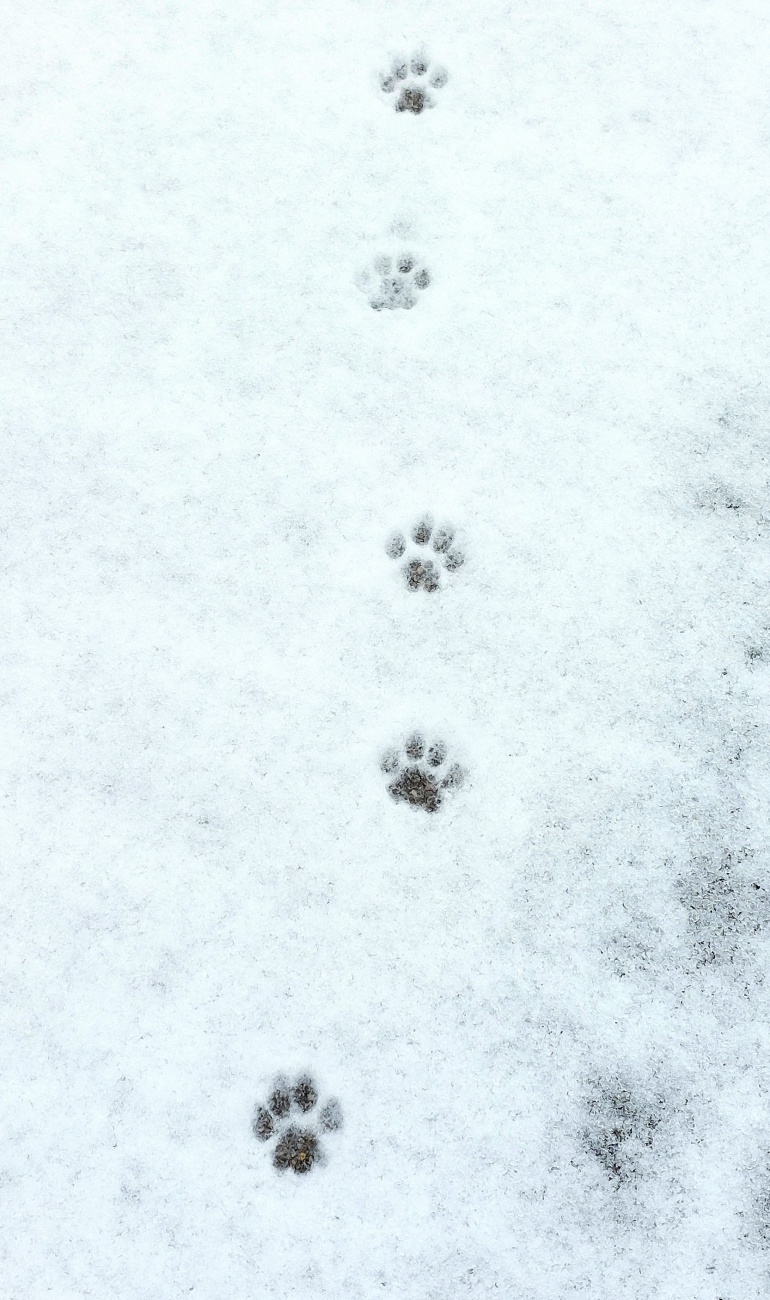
621 1130
297 1143
393 282
409 80
419 775
420 571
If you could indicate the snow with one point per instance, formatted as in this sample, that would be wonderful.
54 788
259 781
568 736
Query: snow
208 438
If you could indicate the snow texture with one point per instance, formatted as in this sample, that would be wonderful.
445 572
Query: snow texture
542 1008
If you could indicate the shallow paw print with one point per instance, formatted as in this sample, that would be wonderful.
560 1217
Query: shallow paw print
422 571
291 1120
410 82
419 773
395 282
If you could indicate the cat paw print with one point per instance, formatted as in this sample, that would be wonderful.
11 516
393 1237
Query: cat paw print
410 82
422 570
393 282
419 773
291 1120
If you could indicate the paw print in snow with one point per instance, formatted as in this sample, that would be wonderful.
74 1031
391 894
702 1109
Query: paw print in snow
420 777
394 282
296 1134
409 80
420 571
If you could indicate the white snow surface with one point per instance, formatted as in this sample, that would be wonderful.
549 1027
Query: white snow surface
208 436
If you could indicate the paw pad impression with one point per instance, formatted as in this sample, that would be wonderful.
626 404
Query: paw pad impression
422 571
290 1119
409 80
419 773
393 282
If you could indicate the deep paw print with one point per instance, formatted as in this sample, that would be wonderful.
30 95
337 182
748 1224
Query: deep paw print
419 773
394 282
292 1121
423 571
410 81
